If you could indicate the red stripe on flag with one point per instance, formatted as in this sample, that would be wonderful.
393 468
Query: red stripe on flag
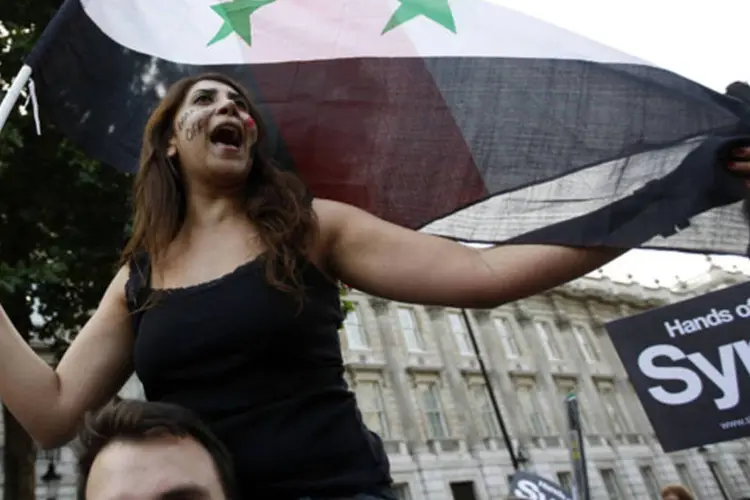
375 133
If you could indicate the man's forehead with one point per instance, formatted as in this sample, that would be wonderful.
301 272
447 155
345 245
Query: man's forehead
153 469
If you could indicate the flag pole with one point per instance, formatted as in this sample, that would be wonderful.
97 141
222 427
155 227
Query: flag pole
33 60
14 93
577 449
491 391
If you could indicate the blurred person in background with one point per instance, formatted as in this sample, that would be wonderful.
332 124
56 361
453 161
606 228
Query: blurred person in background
676 492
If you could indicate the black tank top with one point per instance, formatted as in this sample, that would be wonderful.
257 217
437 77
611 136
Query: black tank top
264 375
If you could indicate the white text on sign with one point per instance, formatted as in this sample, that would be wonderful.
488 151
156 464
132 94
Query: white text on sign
711 319
725 377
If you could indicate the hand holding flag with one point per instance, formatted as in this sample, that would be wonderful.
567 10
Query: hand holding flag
740 164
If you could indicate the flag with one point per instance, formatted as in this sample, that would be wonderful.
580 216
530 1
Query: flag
461 118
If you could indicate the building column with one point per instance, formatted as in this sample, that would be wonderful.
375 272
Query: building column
497 370
395 361
598 413
456 382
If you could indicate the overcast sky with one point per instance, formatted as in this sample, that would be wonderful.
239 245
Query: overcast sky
705 41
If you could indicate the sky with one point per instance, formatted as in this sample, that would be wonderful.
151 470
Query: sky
704 41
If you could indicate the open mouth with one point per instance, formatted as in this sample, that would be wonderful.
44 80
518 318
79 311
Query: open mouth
228 134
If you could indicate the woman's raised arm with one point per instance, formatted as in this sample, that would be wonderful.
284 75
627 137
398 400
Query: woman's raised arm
50 403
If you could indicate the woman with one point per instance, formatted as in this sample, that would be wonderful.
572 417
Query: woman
227 303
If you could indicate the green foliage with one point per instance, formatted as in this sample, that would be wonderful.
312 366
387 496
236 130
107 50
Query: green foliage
62 216
346 305
62 219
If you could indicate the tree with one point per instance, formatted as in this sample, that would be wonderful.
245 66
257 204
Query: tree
62 220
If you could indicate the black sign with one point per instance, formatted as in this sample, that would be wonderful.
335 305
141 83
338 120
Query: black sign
690 366
533 487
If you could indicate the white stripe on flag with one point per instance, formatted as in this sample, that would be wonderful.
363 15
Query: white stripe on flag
302 30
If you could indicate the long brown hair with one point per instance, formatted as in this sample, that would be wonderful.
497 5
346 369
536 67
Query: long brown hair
276 201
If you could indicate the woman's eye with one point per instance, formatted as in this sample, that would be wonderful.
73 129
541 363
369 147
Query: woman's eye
241 105
202 99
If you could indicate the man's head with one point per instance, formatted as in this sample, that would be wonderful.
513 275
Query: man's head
135 450
676 492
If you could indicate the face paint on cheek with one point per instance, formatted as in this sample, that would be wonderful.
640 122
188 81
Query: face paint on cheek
197 127
251 126
248 120
183 119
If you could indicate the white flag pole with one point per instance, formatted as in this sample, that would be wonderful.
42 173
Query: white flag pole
14 92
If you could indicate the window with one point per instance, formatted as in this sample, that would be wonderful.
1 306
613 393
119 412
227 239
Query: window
685 478
460 333
745 468
546 335
372 406
586 343
507 337
611 484
615 411
463 491
433 409
410 327
528 397
402 491
356 337
481 396
652 484
565 479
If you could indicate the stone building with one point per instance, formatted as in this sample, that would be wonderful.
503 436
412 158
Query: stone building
420 386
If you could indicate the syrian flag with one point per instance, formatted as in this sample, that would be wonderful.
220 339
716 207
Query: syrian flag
462 118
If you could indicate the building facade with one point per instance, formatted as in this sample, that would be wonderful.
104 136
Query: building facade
420 386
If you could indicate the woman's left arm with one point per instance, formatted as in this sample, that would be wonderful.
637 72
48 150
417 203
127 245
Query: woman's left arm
388 261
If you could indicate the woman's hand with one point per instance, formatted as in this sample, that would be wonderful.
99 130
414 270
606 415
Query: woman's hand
742 166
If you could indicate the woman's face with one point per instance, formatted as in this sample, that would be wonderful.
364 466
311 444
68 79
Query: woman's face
213 132
670 496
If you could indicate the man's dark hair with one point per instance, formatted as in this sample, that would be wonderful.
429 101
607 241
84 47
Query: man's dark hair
132 420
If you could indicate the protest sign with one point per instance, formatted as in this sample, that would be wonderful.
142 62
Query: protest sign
533 487
689 363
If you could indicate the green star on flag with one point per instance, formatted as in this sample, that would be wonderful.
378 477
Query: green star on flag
236 15
437 10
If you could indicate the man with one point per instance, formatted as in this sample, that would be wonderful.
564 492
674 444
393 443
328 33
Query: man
135 450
